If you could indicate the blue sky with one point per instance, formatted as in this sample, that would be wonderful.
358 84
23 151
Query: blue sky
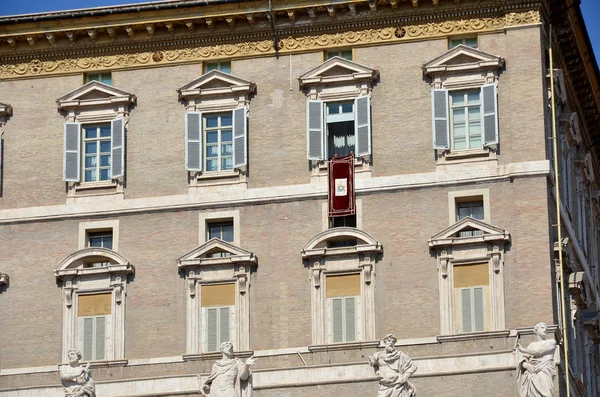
590 8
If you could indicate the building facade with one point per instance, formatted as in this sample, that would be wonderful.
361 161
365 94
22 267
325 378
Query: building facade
179 196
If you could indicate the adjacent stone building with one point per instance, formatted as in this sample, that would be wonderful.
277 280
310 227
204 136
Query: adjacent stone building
164 188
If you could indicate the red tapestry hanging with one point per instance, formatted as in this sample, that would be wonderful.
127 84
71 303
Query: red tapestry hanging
341 186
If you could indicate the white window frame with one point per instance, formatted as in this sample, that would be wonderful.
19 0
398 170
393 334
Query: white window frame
231 328
85 228
204 218
455 197
338 53
200 269
77 279
219 66
81 336
359 259
472 297
463 41
465 107
87 79
357 319
219 129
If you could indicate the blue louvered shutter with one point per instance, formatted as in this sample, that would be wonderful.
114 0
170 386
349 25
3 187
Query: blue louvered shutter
315 130
193 141
72 156
440 119
117 146
362 125
490 114
240 145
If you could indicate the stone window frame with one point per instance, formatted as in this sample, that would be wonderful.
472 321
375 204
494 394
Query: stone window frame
483 70
489 247
319 86
199 270
207 217
83 107
226 93
322 261
455 197
86 227
325 215
76 279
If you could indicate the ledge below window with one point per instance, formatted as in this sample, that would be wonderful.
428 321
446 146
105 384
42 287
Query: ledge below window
216 355
344 346
446 157
362 169
473 335
79 192
216 178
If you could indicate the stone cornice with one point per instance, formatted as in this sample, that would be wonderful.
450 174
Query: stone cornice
194 50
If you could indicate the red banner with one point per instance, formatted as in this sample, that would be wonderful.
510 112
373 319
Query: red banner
341 186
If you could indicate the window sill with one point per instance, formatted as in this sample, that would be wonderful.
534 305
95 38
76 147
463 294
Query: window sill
362 168
344 346
446 157
473 335
79 192
216 178
107 363
216 355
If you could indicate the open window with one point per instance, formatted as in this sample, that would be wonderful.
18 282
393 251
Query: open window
96 117
342 291
470 259
94 303
216 128
464 103
338 110
217 279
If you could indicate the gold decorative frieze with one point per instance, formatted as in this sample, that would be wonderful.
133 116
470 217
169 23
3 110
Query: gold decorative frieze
287 45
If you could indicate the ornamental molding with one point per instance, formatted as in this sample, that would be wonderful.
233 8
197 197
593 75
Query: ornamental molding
12 66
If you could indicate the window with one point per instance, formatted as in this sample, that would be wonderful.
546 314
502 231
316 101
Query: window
103 234
465 119
103 77
340 264
224 225
216 128
221 230
338 115
342 221
96 152
468 41
218 141
464 102
471 287
223 66
346 54
471 276
93 317
218 307
474 209
101 239
93 303
343 297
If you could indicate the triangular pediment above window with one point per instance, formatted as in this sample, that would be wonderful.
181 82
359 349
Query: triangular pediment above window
468 231
216 82
94 94
462 59
338 70
216 252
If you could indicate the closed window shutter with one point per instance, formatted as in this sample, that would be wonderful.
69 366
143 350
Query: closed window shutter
100 338
212 333
224 316
337 319
88 339
72 159
350 311
362 125
478 309
490 114
315 125
441 127
465 308
193 141
240 142
117 140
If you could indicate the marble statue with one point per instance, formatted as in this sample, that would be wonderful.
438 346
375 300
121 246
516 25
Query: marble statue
393 368
77 379
230 377
536 369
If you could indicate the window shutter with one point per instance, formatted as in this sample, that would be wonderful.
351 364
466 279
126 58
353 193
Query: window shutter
88 338
100 337
441 126
72 160
240 142
478 309
193 141
337 319
490 114
117 140
224 315
465 308
362 125
350 319
211 329
315 127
